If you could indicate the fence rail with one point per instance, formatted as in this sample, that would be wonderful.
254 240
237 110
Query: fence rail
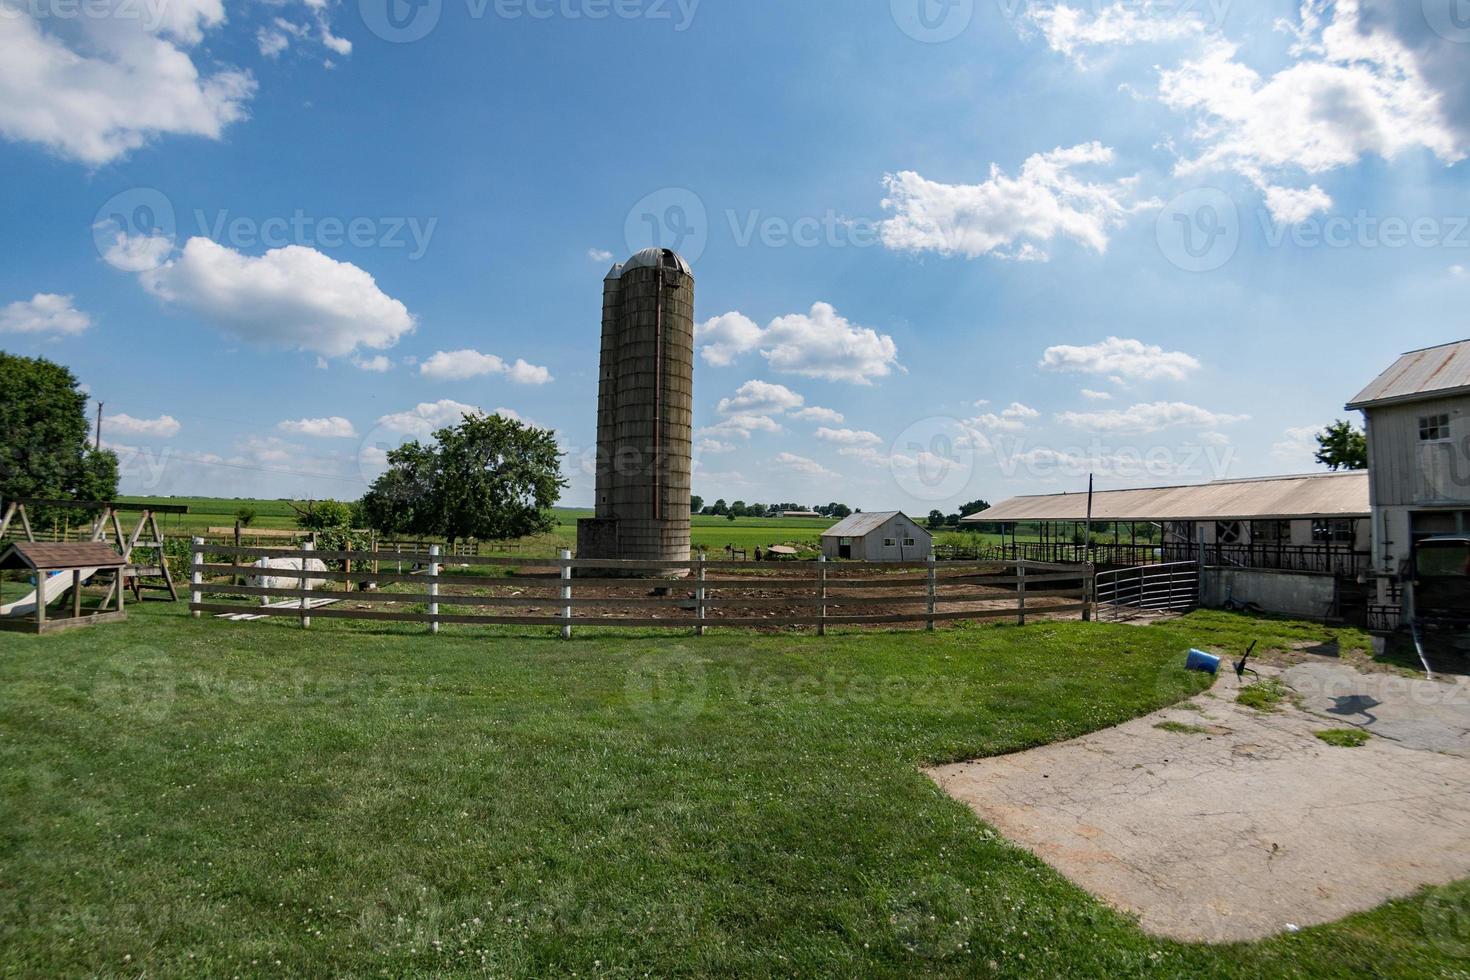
566 592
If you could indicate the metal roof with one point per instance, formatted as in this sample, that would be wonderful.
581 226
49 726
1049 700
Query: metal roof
1418 374
51 555
1315 495
864 523
650 258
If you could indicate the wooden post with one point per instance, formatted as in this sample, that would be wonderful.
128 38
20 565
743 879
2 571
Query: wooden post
1020 593
196 578
40 599
566 593
929 624
434 588
699 594
822 594
1089 590
305 602
121 587
238 579
76 593
347 566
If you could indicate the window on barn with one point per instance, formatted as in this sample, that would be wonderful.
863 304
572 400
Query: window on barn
1332 532
890 542
1434 428
908 542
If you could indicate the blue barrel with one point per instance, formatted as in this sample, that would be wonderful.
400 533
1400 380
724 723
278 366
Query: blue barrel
1206 663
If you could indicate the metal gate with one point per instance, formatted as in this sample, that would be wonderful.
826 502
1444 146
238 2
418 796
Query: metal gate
1158 588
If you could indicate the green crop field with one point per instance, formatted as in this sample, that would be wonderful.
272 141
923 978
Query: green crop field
196 798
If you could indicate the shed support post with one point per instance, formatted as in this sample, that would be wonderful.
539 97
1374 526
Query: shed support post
196 577
566 592
1020 593
433 588
305 602
76 593
1089 582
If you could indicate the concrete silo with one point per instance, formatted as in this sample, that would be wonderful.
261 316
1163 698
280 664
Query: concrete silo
645 412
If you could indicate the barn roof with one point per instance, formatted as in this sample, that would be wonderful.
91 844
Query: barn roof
860 524
51 555
1281 497
1427 373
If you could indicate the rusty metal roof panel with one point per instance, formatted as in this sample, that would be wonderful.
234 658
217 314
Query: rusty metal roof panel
1315 495
1419 374
858 525
51 555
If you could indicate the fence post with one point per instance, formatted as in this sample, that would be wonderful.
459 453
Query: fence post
196 577
566 593
1020 592
822 594
434 588
699 595
929 624
1089 586
305 602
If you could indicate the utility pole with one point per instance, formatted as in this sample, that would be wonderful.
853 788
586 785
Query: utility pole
97 442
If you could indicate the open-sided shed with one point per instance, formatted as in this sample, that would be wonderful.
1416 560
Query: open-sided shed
61 567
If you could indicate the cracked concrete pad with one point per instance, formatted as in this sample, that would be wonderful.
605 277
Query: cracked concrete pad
1251 826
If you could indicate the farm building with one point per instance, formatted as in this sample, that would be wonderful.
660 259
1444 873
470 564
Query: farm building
888 535
1292 544
800 513
1418 422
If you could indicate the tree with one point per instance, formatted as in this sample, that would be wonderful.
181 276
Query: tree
320 515
43 449
244 515
936 518
720 508
489 477
973 507
696 504
1342 447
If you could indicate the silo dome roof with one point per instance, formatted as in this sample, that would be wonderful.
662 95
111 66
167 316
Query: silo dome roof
651 258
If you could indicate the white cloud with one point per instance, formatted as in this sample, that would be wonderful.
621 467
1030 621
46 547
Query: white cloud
334 427
292 297
1151 417
93 88
823 344
163 427
599 255
803 465
1067 29
815 413
136 253
1291 205
1010 419
1298 445
760 398
1459 271
458 365
424 419
714 446
739 426
1096 396
1356 88
817 344
1132 359
377 364
723 338
1010 217
849 437
44 313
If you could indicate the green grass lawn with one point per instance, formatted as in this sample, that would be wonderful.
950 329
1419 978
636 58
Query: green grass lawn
205 798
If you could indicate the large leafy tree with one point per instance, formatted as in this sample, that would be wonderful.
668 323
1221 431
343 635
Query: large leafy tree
489 477
43 435
1342 447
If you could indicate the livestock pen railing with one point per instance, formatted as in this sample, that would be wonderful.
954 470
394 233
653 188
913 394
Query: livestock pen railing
567 592
1173 587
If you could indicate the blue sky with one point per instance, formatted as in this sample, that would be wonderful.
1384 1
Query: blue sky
944 249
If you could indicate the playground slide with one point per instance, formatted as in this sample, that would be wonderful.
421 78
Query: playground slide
54 586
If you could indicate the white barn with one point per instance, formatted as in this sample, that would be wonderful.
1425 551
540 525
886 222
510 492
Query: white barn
889 535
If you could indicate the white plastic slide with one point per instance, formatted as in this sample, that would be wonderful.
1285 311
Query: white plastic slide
54 586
